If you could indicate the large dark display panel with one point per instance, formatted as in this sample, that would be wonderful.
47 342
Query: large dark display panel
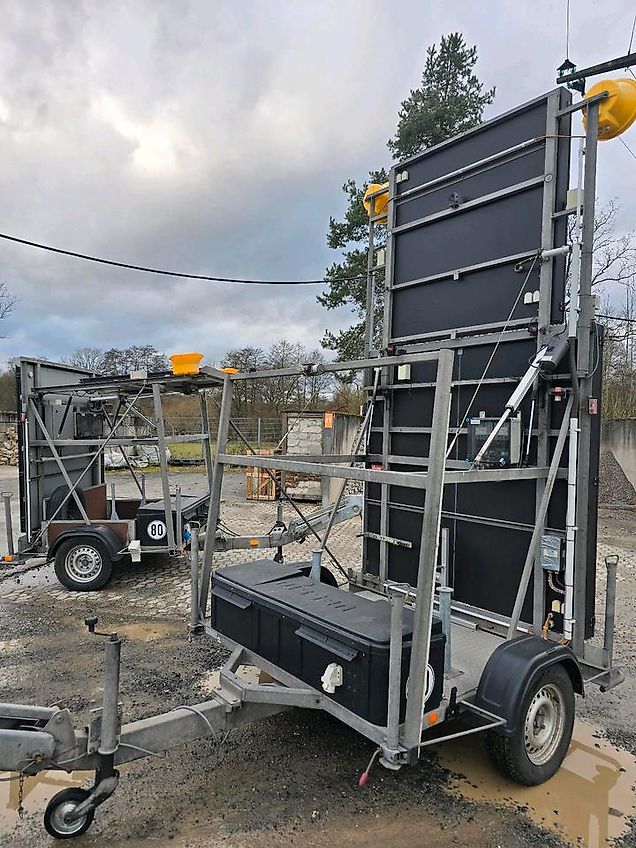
464 242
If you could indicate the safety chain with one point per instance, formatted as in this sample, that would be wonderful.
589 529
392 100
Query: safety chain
20 795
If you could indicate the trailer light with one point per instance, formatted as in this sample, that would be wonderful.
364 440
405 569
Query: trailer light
618 111
185 363
254 543
376 200
433 718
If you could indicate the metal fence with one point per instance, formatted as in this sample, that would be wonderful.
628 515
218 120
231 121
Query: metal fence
258 431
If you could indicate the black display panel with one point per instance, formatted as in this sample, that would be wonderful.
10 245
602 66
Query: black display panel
469 220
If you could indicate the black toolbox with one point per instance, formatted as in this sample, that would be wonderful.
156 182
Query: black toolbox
302 626
151 518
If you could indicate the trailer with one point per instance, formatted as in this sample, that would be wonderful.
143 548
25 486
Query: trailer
68 513
473 609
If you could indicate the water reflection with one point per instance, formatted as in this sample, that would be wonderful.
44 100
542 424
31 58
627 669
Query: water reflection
590 798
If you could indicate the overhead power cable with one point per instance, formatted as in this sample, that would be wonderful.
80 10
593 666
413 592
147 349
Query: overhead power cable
627 148
87 257
624 320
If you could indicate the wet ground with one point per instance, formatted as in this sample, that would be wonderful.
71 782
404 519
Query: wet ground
292 779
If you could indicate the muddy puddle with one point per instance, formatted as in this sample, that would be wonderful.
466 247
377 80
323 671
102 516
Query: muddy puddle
588 802
148 631
38 791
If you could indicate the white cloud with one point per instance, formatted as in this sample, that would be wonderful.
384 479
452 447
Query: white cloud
214 138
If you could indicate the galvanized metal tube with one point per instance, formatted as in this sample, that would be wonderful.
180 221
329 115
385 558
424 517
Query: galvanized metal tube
316 563
113 504
570 532
428 553
196 625
542 511
207 448
583 346
445 594
179 517
110 719
611 563
444 540
397 600
163 464
6 497
214 507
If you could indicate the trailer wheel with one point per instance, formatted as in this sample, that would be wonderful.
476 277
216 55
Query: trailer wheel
70 511
544 730
58 809
83 564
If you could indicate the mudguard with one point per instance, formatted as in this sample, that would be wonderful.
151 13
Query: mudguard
98 532
513 668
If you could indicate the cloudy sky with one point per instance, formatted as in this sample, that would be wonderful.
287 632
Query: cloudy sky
213 137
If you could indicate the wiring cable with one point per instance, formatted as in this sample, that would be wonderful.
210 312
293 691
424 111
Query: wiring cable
618 318
493 354
626 146
163 272
286 497
553 585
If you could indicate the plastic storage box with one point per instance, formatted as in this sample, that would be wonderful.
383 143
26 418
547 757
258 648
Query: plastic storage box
302 626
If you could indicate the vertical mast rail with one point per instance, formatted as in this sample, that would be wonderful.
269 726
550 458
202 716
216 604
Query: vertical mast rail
387 398
545 314
214 507
207 448
423 615
163 464
584 366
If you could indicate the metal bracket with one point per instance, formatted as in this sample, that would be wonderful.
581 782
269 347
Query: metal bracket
95 728
391 540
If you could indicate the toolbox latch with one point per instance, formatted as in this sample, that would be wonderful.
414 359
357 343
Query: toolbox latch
340 649
231 598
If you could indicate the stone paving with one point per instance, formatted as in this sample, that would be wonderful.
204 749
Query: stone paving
159 585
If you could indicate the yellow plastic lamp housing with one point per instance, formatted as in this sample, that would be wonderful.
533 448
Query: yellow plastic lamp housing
186 363
376 205
618 111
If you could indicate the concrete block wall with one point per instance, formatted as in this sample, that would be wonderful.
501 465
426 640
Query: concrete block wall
619 436
8 444
305 433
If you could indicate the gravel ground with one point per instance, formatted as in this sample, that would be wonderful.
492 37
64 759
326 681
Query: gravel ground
614 487
292 779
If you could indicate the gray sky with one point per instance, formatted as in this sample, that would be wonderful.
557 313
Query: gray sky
213 137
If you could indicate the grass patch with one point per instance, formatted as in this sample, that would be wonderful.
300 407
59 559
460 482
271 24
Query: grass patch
194 450
187 450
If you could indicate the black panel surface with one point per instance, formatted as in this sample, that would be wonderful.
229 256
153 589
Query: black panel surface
490 214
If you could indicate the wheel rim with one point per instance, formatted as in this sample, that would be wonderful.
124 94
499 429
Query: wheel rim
59 818
545 721
83 563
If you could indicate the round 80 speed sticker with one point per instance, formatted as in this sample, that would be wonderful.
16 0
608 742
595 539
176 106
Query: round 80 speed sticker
156 530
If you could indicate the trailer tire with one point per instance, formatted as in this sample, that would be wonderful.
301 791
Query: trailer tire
59 806
534 753
70 511
83 564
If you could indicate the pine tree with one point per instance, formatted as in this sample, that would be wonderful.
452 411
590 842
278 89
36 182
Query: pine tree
449 100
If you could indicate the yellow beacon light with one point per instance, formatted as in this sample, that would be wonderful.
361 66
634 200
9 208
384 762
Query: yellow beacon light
618 111
376 205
